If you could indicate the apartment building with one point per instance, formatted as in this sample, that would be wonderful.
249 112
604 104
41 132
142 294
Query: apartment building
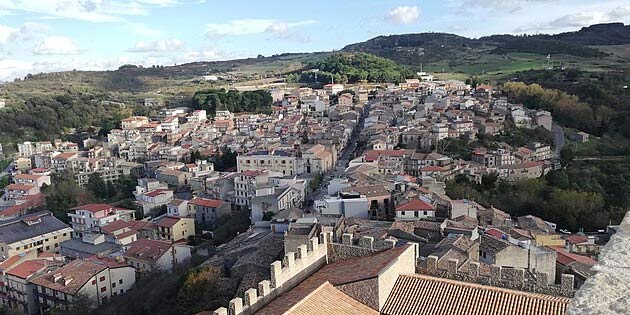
282 161
90 218
151 255
97 279
39 231
32 179
204 210
175 228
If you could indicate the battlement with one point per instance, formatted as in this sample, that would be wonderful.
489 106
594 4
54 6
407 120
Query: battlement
285 274
511 278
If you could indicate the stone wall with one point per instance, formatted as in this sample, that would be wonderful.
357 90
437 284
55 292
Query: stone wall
364 291
349 247
511 278
285 275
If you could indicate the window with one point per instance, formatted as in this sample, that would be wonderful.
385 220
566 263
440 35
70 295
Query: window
94 282
103 289
113 284
56 244
120 281
102 278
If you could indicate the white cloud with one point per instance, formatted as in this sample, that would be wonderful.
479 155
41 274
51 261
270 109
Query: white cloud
85 10
254 26
403 15
578 19
161 45
502 5
56 45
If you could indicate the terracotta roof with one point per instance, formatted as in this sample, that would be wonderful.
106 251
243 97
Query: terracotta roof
80 271
577 239
28 176
147 250
337 273
203 202
156 192
415 205
565 258
19 187
328 300
496 233
432 169
420 294
27 268
115 226
167 221
96 207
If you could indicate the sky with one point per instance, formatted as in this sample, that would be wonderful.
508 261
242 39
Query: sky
56 35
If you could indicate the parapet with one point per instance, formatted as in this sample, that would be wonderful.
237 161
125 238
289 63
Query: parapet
285 274
512 278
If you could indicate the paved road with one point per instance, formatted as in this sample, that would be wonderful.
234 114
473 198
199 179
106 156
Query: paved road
342 160
558 138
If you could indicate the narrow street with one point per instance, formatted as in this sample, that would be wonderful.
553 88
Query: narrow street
342 160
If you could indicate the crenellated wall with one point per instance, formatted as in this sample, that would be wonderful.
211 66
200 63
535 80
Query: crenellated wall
350 247
511 278
285 274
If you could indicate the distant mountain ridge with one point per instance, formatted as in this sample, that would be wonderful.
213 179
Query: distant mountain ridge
432 47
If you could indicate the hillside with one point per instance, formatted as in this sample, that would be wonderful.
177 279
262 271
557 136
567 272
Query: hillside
44 106
499 54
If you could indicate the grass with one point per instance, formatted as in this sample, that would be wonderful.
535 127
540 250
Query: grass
606 145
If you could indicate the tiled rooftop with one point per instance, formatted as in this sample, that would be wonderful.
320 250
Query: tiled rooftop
420 294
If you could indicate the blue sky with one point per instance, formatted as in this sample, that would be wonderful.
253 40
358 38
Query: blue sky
53 35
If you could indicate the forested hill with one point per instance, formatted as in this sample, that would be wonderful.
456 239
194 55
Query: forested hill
433 47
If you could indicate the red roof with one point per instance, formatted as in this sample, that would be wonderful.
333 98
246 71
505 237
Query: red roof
147 250
432 169
27 268
565 258
96 207
203 202
167 221
156 192
115 226
577 239
19 187
415 205
495 233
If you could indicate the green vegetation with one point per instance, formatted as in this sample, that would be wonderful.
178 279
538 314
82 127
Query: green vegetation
346 68
588 194
567 109
4 181
250 101
48 117
230 225
316 182
225 160
64 193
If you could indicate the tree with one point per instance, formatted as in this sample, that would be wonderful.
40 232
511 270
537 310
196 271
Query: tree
488 181
225 160
65 194
97 186
199 291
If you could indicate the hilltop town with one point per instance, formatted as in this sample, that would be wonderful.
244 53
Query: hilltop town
335 199
338 194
